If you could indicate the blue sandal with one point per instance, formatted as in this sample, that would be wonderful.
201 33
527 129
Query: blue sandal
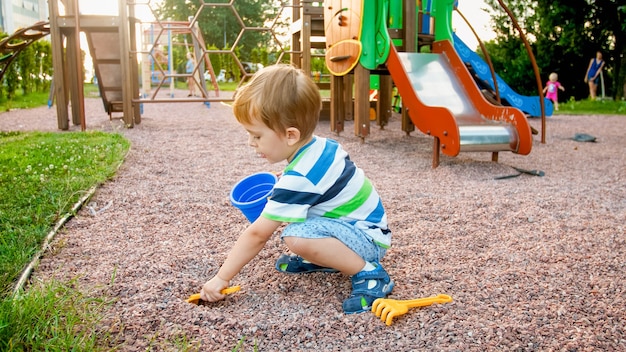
293 264
362 296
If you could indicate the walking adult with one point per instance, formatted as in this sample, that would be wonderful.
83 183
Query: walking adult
592 77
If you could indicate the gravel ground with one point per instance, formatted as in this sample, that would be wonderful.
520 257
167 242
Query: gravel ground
532 263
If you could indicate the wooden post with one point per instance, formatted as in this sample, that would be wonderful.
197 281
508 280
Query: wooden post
347 96
436 146
78 96
305 36
410 45
134 66
127 86
71 87
337 107
410 27
58 79
361 101
383 105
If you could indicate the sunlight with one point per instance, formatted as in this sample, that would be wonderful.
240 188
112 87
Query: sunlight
105 7
110 8
479 19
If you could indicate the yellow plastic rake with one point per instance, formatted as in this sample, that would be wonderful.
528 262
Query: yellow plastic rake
387 308
195 298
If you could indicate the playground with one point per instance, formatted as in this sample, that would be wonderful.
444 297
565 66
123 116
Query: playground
532 263
529 245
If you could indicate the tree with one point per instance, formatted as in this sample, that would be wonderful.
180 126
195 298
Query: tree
220 26
565 35
26 65
43 62
29 70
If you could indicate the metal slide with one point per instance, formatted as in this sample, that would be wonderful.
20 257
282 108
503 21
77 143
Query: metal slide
528 104
444 101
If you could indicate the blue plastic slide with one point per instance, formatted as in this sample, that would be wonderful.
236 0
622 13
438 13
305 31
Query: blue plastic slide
529 105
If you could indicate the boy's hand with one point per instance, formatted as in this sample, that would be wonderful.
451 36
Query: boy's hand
211 290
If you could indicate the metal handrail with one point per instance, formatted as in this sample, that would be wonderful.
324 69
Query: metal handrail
485 53
535 69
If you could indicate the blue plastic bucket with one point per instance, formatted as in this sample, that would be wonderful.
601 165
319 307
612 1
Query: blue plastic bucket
250 194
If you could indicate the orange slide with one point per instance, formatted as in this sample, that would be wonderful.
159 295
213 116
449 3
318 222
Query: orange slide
444 101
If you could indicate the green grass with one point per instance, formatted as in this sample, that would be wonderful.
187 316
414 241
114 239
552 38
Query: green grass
241 346
52 317
37 99
226 86
91 90
591 107
21 101
42 175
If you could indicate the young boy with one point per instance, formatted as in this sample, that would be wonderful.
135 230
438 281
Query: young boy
336 220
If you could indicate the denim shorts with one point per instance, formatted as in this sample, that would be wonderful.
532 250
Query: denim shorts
348 234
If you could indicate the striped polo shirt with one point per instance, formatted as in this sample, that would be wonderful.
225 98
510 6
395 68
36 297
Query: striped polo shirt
322 181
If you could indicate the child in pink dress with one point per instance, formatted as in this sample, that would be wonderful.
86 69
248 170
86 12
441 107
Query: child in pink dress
552 89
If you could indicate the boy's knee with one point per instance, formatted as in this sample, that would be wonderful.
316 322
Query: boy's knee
290 241
304 247
298 245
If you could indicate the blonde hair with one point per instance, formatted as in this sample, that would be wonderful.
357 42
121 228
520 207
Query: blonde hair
281 96
553 77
